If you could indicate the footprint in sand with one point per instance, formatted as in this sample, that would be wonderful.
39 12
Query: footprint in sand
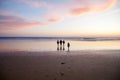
69 69
62 74
63 63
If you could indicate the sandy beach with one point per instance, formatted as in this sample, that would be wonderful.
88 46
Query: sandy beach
59 65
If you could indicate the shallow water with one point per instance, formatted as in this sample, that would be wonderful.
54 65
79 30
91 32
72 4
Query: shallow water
51 45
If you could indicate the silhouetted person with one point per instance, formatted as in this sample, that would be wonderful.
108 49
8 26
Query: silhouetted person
63 45
58 42
58 45
68 45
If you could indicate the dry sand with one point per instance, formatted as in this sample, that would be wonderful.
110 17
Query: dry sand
53 65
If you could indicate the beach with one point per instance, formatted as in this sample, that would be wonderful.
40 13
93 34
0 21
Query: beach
59 39
60 65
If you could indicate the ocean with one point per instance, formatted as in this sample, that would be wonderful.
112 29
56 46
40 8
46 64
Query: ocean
50 43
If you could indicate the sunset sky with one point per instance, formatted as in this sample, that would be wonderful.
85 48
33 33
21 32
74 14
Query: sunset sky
60 18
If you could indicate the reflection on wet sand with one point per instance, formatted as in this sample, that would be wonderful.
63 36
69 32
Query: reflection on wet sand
39 45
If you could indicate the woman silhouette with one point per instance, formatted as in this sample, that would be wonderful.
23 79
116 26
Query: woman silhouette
63 45
68 45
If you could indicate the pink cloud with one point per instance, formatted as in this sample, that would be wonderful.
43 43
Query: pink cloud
109 4
3 12
52 20
55 14
85 6
27 24
78 11
13 22
34 3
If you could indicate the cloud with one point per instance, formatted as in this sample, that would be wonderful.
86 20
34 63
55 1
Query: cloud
34 3
54 19
13 22
3 12
54 13
29 24
85 6
109 4
78 11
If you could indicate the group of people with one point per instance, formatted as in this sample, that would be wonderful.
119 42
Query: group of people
61 45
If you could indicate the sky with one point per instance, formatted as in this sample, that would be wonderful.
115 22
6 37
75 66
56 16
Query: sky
60 18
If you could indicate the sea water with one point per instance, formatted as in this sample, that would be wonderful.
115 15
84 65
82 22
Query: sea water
50 44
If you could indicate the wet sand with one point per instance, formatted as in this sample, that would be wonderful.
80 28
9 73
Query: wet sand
55 65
